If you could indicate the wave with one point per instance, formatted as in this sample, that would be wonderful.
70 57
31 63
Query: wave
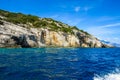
111 76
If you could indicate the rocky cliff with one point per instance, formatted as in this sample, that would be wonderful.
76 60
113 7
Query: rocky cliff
19 30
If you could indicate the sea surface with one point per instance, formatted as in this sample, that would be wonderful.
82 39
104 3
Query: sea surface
60 64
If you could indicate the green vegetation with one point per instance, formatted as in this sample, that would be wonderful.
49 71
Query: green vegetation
40 24
1 23
84 32
67 30
21 19
18 18
34 21
74 27
0 18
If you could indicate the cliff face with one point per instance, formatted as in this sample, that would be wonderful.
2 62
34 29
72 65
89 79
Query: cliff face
13 35
22 35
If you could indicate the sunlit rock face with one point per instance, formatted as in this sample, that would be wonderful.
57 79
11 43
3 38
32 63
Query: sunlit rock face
12 35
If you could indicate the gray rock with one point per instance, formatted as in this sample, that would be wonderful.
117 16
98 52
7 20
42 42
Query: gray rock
12 35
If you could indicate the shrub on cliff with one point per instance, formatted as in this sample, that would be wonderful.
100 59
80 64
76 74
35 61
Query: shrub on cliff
40 24
18 18
1 23
34 21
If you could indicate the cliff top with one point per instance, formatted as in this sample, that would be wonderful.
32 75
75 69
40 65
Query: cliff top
37 22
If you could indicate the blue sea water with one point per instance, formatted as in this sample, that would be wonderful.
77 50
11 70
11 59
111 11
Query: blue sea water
60 64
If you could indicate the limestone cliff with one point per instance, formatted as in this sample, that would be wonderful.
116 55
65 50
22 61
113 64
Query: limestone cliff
41 32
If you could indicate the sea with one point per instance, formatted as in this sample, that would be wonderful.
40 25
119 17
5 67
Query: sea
60 64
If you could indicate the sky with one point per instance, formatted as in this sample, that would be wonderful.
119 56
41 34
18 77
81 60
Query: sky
100 18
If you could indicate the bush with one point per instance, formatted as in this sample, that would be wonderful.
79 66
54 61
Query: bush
40 24
74 27
1 23
84 32
67 30
18 18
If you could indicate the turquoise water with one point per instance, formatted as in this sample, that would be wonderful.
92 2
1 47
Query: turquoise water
60 64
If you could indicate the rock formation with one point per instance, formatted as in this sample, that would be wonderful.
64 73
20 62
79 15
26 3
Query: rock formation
54 34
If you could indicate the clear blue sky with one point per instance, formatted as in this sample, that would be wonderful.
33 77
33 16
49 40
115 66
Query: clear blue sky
101 18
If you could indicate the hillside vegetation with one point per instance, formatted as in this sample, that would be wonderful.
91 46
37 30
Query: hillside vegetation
36 22
24 30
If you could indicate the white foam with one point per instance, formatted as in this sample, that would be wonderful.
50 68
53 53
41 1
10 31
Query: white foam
110 76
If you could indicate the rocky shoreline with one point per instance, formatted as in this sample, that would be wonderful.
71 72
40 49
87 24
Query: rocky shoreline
53 34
